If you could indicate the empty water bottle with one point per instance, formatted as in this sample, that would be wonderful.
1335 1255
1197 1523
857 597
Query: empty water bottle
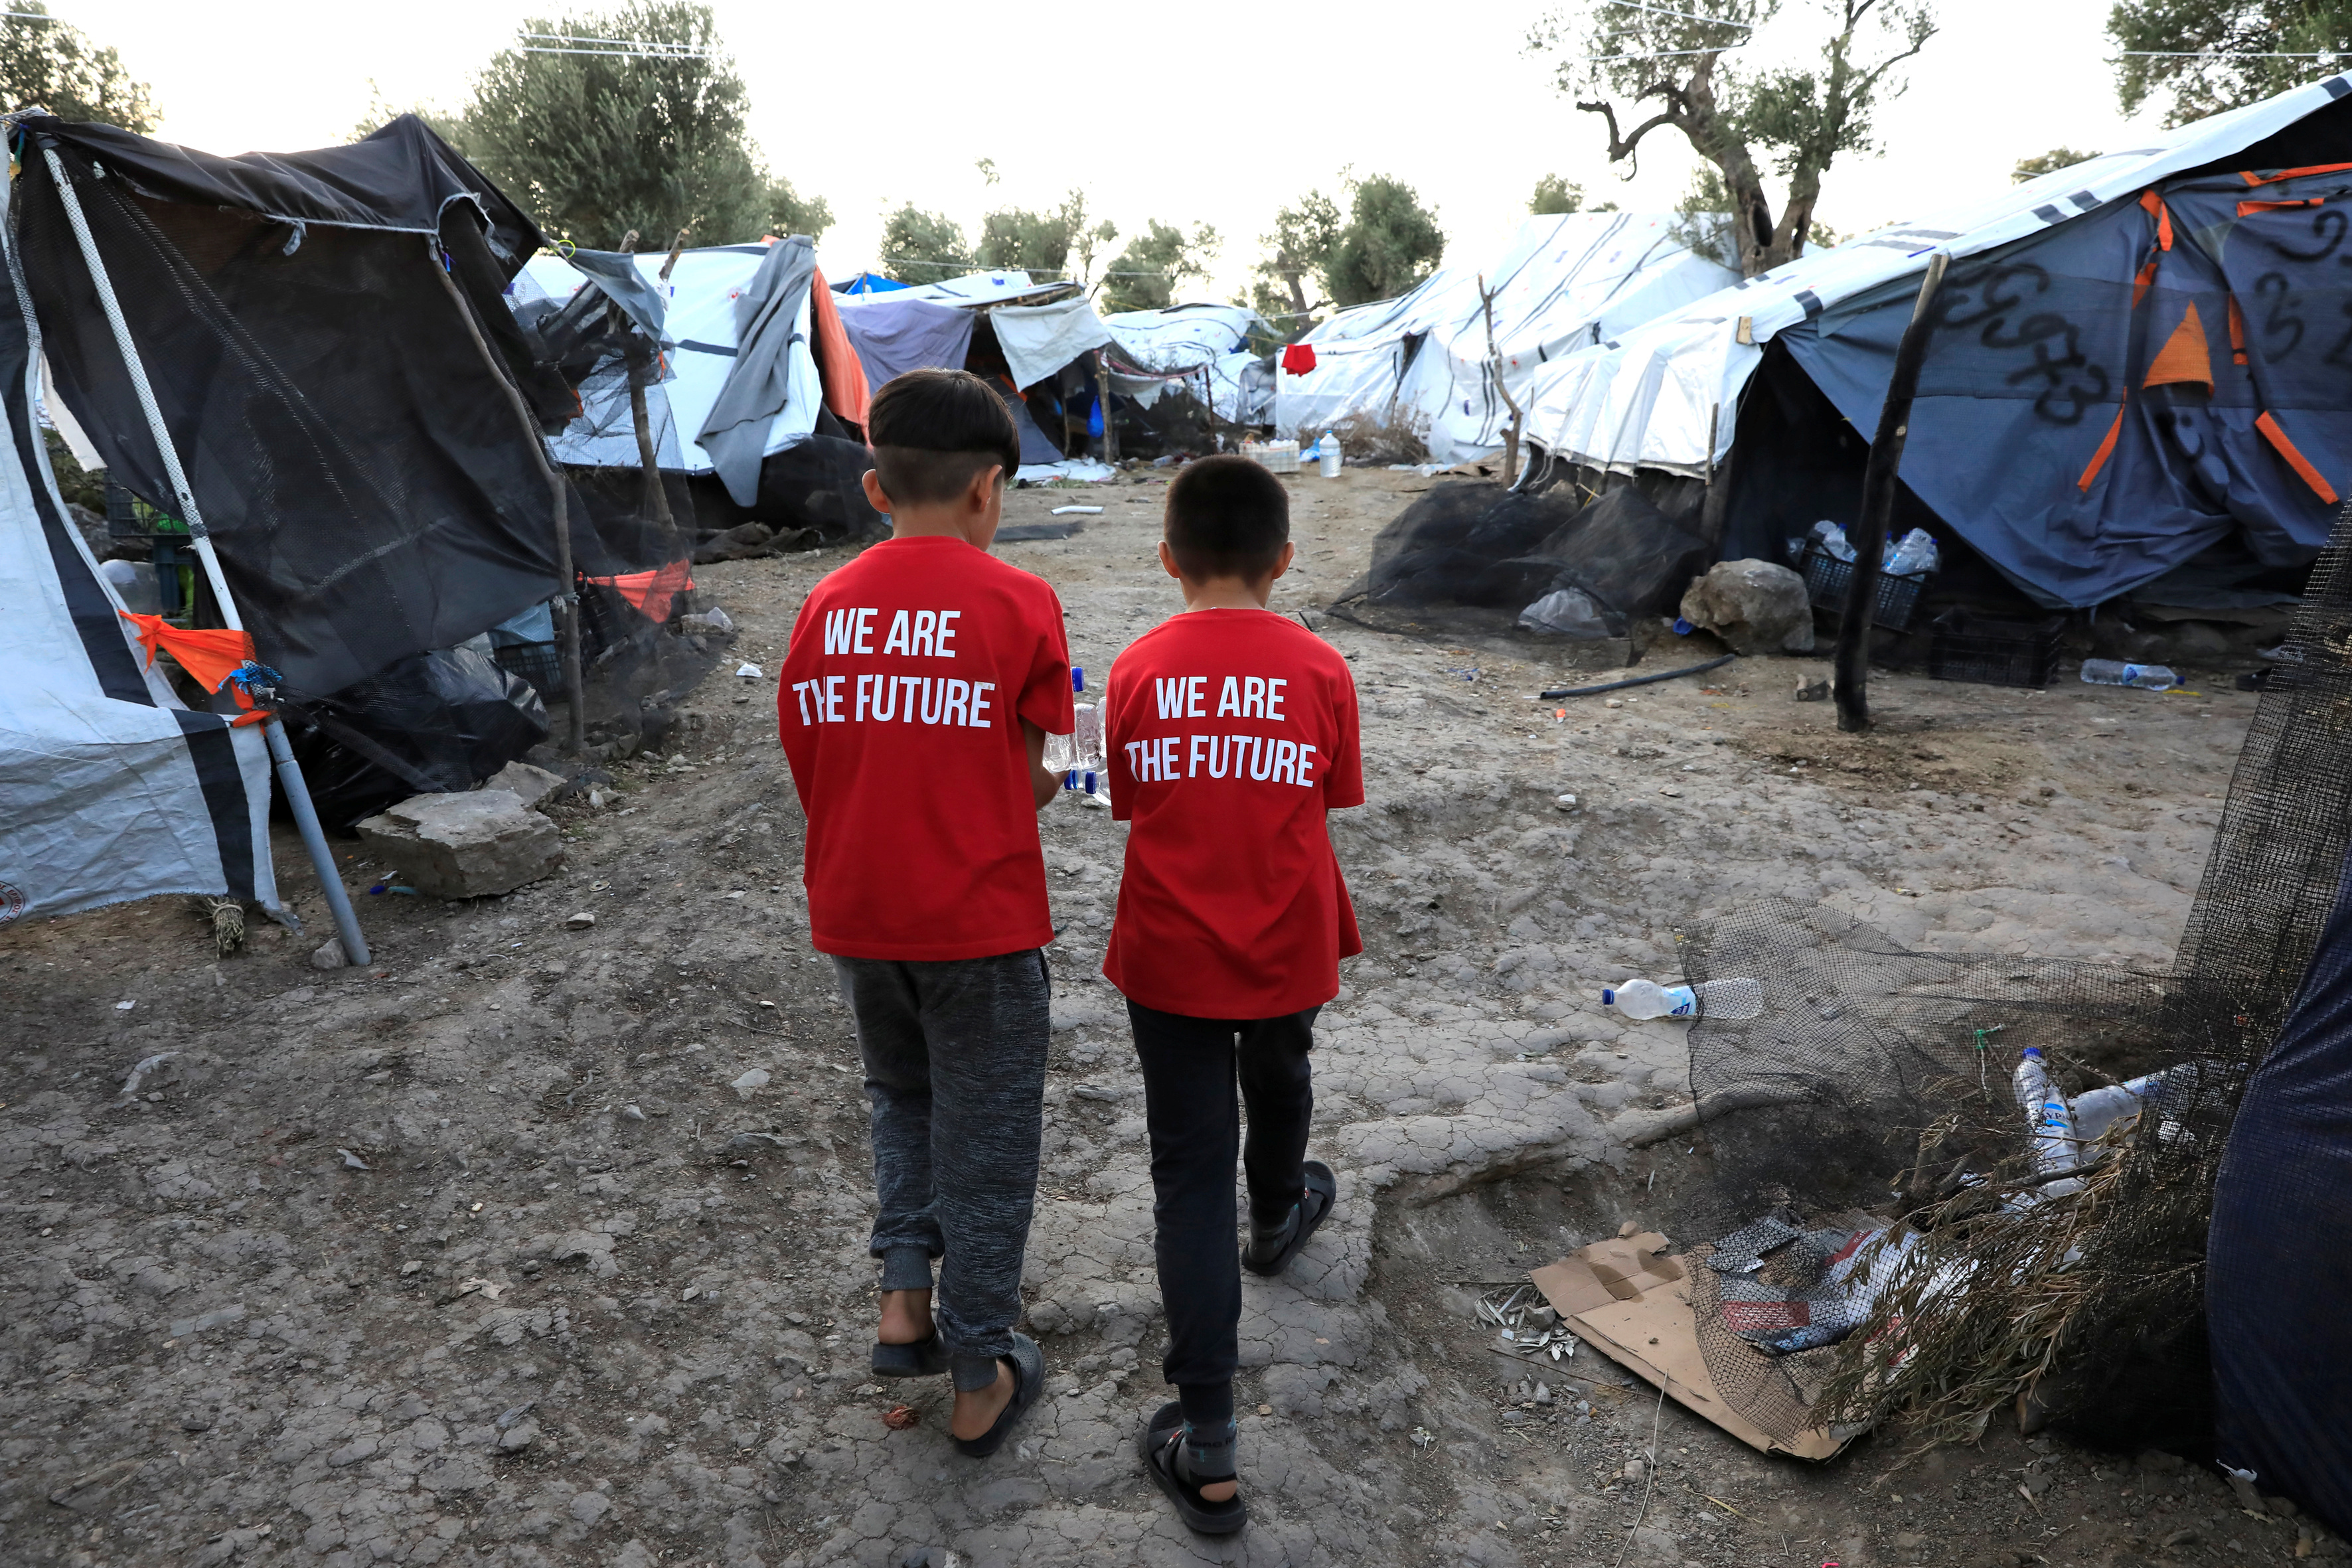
2047 1115
2115 672
1732 999
1914 553
1081 750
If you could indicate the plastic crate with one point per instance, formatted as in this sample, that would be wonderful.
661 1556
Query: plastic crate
1994 653
1826 578
1281 457
538 663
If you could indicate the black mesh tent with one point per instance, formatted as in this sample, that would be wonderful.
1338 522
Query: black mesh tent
326 338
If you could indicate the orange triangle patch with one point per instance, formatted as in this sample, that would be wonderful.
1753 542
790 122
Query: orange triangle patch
2185 355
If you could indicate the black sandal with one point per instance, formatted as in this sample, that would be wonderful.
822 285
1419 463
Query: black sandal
1270 1254
925 1357
1028 1364
1182 1465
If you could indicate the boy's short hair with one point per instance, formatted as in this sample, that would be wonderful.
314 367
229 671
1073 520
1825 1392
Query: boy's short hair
1227 517
932 430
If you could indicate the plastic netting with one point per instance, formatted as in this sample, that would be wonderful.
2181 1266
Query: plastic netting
1873 1098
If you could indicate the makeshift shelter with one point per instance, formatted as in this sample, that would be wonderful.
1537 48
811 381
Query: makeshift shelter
2148 342
1561 284
1200 349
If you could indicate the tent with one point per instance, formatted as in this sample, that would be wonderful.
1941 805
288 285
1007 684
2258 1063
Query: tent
1562 283
2149 340
1184 344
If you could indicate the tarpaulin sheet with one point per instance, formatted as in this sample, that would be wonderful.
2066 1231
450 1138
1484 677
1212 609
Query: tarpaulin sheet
1039 340
895 334
773 368
2065 358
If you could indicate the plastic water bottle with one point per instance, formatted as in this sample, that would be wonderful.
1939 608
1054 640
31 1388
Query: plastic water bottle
2115 672
2047 1115
1327 454
1080 751
2101 1109
1914 555
1732 999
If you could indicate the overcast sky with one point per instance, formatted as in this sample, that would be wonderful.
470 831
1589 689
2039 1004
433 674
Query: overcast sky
1203 113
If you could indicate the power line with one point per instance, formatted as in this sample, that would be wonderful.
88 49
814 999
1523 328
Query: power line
1686 16
1660 54
2236 54
628 48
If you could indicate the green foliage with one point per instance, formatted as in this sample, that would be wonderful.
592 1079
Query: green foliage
1390 245
2214 55
1044 242
1299 247
923 248
598 144
1705 212
1145 275
77 484
1797 120
49 65
1556 195
2048 163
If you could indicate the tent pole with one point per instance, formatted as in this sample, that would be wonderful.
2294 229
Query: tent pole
570 596
281 752
1852 663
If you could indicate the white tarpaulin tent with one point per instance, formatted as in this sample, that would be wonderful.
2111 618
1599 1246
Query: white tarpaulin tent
1039 340
1645 396
1563 283
110 789
1195 343
700 344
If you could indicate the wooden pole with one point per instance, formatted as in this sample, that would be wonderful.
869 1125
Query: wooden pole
558 496
1102 395
1495 368
1853 661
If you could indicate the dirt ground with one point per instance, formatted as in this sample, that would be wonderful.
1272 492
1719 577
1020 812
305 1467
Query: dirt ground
478 1255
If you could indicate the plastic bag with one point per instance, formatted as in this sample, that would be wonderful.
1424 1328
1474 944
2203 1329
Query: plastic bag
1569 612
1914 555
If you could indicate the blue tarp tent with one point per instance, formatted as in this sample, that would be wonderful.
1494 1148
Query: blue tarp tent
2142 364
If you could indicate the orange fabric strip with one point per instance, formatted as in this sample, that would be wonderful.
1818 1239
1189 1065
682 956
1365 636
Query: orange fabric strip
209 656
2272 176
2107 449
2237 332
2296 459
651 591
2139 284
2163 216
838 367
2244 208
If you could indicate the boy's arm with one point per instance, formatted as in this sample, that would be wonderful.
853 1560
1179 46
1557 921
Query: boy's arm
1044 783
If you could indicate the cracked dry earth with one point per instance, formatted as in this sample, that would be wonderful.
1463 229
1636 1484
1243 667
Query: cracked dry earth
477 1256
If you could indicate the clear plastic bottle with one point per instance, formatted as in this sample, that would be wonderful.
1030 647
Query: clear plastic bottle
1080 751
2116 672
2047 1115
1733 999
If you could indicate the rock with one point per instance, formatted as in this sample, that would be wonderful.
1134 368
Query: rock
590 1507
751 1082
1816 690
465 845
519 1436
580 921
329 955
1757 606
533 786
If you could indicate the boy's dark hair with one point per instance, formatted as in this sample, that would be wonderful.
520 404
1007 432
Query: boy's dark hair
1227 517
933 429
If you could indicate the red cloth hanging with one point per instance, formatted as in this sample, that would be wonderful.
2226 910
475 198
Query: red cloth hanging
651 591
1298 358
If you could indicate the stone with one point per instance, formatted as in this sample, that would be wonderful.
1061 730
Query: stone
751 1082
465 845
532 785
590 1507
580 921
1757 606
519 1436
331 955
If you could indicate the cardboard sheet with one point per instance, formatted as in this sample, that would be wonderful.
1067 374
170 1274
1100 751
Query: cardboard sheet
1628 1300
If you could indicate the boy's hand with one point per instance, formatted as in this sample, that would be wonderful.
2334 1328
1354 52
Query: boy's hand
1044 783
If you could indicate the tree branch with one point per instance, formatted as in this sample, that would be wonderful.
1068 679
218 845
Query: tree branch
1622 148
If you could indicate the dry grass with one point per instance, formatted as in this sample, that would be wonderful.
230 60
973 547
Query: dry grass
1377 439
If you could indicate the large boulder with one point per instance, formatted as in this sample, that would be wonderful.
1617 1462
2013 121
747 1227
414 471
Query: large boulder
1757 606
464 845
532 785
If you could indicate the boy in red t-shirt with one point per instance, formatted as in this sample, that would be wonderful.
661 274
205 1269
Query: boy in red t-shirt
1230 731
922 680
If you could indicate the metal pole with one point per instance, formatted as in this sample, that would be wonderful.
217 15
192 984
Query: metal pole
281 752
570 596
1853 661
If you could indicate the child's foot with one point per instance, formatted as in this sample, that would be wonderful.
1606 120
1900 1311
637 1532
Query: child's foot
1270 1251
984 1418
907 1344
1197 1475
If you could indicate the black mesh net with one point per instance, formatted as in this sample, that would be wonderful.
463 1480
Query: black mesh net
369 488
1957 1237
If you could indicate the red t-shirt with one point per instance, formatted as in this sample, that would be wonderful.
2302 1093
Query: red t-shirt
1230 733
900 702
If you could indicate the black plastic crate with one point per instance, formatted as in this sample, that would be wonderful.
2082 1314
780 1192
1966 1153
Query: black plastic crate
1994 653
1827 578
540 663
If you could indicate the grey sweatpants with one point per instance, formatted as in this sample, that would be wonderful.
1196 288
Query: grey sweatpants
955 1070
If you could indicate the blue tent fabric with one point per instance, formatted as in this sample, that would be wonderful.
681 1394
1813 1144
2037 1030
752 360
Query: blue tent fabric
895 336
2279 1251
2039 347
